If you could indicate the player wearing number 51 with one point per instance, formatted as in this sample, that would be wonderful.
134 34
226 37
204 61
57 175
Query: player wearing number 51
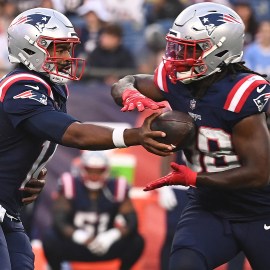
228 167
95 220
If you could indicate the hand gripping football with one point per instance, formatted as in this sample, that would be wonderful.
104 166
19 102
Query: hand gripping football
179 128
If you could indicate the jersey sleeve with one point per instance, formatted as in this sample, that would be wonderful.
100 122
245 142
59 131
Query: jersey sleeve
24 98
248 96
66 185
160 77
48 125
121 189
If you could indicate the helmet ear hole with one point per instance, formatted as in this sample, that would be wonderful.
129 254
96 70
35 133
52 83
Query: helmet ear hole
28 51
221 54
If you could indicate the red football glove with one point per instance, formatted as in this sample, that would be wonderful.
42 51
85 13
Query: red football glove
134 99
181 175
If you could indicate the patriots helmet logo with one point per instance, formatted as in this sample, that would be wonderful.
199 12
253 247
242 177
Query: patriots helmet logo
213 20
261 101
37 20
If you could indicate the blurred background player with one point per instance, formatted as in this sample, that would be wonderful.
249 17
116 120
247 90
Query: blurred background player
93 217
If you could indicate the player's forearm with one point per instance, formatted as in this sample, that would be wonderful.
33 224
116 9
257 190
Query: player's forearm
238 178
93 137
128 82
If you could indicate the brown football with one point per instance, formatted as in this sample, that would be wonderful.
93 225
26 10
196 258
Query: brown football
179 128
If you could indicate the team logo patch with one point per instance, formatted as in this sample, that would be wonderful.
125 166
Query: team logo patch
37 20
261 101
41 98
212 21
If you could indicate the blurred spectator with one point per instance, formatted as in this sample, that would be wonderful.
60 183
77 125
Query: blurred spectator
95 17
261 8
151 54
47 4
8 11
110 60
257 54
4 63
164 11
247 14
222 2
131 16
94 219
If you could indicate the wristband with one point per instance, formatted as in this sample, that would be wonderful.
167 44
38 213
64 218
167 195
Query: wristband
118 137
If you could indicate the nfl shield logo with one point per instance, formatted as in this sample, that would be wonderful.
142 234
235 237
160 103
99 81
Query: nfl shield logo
192 104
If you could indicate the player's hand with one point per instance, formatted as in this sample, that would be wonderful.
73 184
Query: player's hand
133 99
181 175
33 187
103 241
82 237
148 138
167 198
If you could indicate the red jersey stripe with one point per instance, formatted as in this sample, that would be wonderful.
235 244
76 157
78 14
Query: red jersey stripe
241 91
160 77
68 185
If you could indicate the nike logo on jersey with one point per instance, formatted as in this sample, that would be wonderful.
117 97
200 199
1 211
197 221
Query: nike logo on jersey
266 227
32 86
41 98
260 89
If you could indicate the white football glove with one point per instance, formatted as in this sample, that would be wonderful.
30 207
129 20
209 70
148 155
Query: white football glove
80 236
103 241
167 198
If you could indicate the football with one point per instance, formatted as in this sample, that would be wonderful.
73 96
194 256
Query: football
179 128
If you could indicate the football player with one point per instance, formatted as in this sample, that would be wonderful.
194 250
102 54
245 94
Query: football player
228 168
93 217
34 120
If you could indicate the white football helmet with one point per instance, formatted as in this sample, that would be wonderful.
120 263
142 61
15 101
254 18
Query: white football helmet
94 169
203 38
32 32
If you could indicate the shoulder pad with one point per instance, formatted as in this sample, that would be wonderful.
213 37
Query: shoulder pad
249 91
68 185
30 80
121 189
160 77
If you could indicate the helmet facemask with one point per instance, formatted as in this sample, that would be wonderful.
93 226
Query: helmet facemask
61 68
94 169
183 59
94 178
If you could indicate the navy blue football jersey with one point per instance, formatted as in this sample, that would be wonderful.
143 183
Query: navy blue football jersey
226 103
94 215
33 121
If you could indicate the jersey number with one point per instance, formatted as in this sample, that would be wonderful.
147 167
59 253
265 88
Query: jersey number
215 151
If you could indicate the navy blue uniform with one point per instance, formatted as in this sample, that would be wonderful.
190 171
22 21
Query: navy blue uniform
221 213
93 215
33 120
